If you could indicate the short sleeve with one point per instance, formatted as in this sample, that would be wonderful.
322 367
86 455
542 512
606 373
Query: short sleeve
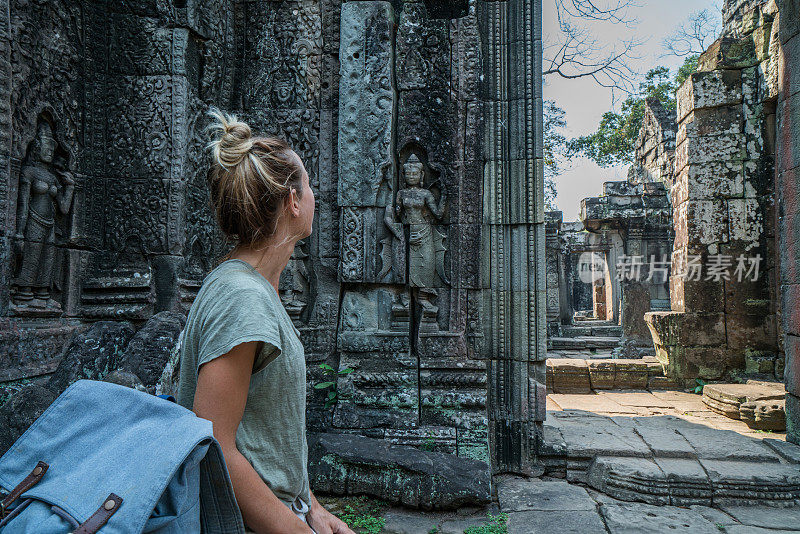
237 316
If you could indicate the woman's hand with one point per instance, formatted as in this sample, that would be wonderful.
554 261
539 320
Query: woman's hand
324 522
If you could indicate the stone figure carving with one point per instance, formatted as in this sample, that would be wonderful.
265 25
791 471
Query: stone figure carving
419 210
294 283
45 189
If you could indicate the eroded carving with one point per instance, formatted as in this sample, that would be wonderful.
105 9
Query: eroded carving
46 190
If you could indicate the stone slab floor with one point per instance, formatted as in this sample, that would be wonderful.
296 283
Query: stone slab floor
553 506
630 403
634 428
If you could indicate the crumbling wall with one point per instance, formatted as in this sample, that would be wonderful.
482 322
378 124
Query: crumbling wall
634 222
654 159
722 288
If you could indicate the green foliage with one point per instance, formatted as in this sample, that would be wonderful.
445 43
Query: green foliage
699 387
614 141
555 148
330 374
363 516
496 525
434 530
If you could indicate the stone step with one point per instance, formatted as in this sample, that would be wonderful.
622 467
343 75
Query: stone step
686 482
605 330
583 342
569 375
760 405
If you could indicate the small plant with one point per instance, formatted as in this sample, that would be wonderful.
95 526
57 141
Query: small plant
434 530
363 516
721 527
496 525
699 387
429 443
330 375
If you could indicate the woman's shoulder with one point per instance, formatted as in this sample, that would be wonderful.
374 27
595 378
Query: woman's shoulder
235 283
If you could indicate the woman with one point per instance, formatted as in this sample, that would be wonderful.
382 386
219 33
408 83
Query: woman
242 363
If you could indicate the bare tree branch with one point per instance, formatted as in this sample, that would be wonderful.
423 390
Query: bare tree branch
693 36
576 53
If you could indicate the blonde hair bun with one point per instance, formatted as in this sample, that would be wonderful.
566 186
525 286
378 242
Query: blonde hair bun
249 178
234 139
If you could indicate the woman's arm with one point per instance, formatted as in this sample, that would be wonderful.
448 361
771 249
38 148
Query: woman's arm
221 395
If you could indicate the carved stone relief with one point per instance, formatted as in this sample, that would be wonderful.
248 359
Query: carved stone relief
45 194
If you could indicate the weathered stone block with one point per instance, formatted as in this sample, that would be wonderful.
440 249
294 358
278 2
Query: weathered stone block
453 397
348 464
569 375
725 120
728 53
92 354
789 55
708 90
32 347
148 351
751 332
764 415
708 149
788 133
381 391
20 411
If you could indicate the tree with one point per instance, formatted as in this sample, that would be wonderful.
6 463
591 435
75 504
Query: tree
693 36
614 141
554 149
575 53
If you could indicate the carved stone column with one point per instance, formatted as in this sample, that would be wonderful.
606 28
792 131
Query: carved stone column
514 304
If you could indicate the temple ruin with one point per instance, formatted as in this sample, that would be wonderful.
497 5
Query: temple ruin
420 125
436 298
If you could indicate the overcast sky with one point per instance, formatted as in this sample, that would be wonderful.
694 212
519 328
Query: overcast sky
585 102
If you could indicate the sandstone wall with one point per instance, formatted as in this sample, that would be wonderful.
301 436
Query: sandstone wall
787 174
723 202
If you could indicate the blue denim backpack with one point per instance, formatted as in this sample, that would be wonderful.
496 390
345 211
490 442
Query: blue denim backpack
106 458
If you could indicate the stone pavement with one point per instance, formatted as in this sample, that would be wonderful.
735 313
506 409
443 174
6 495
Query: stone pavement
621 462
666 448
552 506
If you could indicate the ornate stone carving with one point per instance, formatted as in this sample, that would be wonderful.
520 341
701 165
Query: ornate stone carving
366 104
284 42
419 211
45 192
294 283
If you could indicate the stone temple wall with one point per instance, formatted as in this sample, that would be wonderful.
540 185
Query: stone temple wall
787 163
723 283
420 125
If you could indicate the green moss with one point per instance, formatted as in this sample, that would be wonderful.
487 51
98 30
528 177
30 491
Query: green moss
363 515
496 525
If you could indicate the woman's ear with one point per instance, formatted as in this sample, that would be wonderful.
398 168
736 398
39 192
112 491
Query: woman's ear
294 202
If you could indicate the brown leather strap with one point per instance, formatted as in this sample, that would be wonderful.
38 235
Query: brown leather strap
27 483
101 516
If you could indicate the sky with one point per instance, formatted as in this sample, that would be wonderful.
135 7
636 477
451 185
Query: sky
585 102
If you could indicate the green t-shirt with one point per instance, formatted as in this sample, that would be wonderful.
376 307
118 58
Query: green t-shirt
236 305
